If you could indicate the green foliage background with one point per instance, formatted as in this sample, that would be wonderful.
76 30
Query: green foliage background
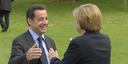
61 25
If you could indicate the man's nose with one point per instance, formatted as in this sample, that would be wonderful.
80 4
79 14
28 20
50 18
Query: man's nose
45 22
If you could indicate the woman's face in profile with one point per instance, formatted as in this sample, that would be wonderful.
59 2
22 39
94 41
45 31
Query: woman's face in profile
77 27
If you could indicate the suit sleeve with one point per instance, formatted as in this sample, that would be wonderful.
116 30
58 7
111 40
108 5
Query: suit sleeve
17 55
71 56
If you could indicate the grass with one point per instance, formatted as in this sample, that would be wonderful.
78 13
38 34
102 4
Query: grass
61 26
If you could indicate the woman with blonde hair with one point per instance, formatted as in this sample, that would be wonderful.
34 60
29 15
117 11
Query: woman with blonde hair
92 47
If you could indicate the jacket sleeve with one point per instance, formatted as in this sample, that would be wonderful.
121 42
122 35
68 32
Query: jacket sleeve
71 56
55 60
17 55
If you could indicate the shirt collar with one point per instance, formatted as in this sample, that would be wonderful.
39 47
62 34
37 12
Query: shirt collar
34 35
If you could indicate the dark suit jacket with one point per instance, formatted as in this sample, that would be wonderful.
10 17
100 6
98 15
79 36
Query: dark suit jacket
5 5
22 44
90 48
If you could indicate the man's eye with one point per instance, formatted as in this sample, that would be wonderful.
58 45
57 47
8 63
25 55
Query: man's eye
46 18
40 19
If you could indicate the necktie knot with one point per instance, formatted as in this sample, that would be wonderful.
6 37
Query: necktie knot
40 39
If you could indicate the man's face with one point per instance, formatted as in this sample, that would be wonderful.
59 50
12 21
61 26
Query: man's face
39 23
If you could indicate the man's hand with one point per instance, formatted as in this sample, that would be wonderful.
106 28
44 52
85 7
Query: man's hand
52 54
33 53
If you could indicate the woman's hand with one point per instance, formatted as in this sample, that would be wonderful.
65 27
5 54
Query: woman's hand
70 39
52 54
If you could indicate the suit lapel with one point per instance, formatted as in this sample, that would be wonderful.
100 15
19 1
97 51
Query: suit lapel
29 38
48 43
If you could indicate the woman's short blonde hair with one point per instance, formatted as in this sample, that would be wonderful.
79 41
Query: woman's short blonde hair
89 17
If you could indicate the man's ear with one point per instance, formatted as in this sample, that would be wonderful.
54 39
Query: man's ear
29 21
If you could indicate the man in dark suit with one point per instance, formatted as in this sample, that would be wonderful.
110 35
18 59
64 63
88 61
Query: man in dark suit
5 9
26 48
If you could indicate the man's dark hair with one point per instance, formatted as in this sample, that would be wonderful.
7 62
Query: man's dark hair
30 12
